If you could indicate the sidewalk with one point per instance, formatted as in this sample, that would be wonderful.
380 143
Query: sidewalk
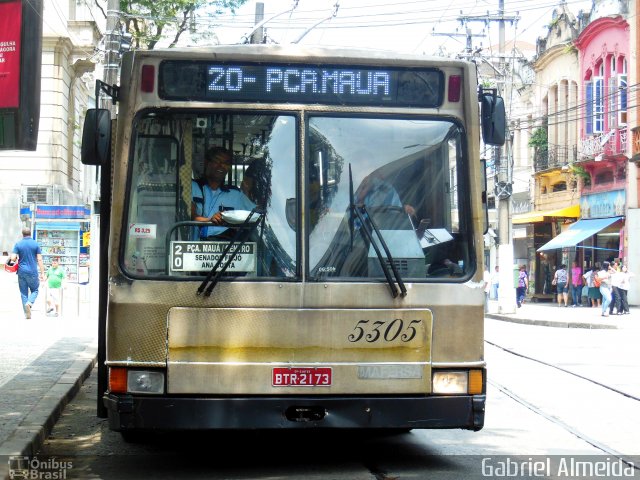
43 362
549 314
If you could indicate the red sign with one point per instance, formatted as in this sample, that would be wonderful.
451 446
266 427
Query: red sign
10 29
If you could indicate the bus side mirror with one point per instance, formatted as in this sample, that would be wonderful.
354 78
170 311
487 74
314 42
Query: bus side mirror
493 118
96 137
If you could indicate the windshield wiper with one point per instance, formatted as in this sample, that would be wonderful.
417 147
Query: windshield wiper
366 221
214 274
390 259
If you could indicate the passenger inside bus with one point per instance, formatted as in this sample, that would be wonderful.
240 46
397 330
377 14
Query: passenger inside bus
211 197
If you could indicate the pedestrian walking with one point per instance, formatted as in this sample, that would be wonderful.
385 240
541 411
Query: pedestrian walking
486 277
29 255
593 291
495 282
623 288
523 285
604 277
576 285
55 278
561 281
615 294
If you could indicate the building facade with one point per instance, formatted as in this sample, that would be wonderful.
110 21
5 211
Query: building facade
553 141
53 174
603 157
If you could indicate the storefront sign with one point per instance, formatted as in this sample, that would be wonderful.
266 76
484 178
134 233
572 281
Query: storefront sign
603 205
56 211
10 30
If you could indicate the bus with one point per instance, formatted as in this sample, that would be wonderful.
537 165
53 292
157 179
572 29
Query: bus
340 286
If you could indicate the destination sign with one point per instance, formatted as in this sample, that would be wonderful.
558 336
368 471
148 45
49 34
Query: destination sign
341 85
202 256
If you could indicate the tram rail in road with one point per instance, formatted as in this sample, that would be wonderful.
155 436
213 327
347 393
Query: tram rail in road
580 405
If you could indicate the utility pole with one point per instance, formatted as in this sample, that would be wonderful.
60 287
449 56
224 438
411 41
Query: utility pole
504 181
506 297
469 40
112 47
258 35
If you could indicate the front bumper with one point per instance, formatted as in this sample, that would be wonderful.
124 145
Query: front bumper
130 412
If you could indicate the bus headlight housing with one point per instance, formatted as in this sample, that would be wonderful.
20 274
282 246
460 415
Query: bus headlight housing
145 381
456 382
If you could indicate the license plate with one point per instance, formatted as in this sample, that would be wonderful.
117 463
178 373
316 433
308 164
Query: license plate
301 377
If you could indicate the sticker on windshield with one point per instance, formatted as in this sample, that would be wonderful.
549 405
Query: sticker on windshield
142 230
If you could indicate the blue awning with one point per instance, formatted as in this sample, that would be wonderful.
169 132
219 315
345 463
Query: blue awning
578 232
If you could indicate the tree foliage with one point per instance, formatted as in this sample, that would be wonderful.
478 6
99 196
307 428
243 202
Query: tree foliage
149 21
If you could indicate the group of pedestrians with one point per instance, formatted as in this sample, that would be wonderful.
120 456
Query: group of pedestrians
612 283
603 286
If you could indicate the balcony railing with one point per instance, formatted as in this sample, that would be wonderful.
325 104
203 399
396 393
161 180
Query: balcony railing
613 142
555 157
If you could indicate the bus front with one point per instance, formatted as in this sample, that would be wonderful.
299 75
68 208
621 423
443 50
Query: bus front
295 242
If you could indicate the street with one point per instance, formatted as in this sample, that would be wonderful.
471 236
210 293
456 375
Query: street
534 411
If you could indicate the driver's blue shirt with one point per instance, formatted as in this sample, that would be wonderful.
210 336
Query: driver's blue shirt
208 202
381 193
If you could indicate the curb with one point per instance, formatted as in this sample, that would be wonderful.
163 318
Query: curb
550 323
30 435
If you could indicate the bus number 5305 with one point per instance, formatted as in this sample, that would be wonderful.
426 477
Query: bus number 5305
387 331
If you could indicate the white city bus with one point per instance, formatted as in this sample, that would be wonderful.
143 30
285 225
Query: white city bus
346 289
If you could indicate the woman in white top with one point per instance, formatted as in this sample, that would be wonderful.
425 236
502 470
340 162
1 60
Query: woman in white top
605 287
623 287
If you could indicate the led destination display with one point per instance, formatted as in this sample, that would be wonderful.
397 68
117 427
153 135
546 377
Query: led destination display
341 85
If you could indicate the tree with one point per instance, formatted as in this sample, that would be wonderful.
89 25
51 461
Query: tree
149 21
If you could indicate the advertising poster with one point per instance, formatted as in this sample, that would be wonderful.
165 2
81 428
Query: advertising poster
10 29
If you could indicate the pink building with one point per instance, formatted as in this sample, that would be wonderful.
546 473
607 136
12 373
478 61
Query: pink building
604 56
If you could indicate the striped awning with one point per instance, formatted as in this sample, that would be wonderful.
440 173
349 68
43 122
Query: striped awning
534 217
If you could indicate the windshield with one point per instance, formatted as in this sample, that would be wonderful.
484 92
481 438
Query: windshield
196 178
203 179
407 175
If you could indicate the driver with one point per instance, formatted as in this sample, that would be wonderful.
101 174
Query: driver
211 197
374 191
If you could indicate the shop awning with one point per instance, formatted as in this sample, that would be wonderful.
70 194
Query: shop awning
578 232
533 217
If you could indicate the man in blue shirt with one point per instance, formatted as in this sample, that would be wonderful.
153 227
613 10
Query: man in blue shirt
211 197
29 254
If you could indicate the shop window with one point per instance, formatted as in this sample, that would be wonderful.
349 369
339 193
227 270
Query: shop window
560 187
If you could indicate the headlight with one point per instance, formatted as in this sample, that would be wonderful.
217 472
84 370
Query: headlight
450 383
461 382
145 381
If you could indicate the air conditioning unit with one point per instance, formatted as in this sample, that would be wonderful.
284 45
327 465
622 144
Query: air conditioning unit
38 194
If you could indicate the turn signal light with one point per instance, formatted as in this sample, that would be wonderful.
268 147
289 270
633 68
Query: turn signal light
147 78
118 380
475 382
455 87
